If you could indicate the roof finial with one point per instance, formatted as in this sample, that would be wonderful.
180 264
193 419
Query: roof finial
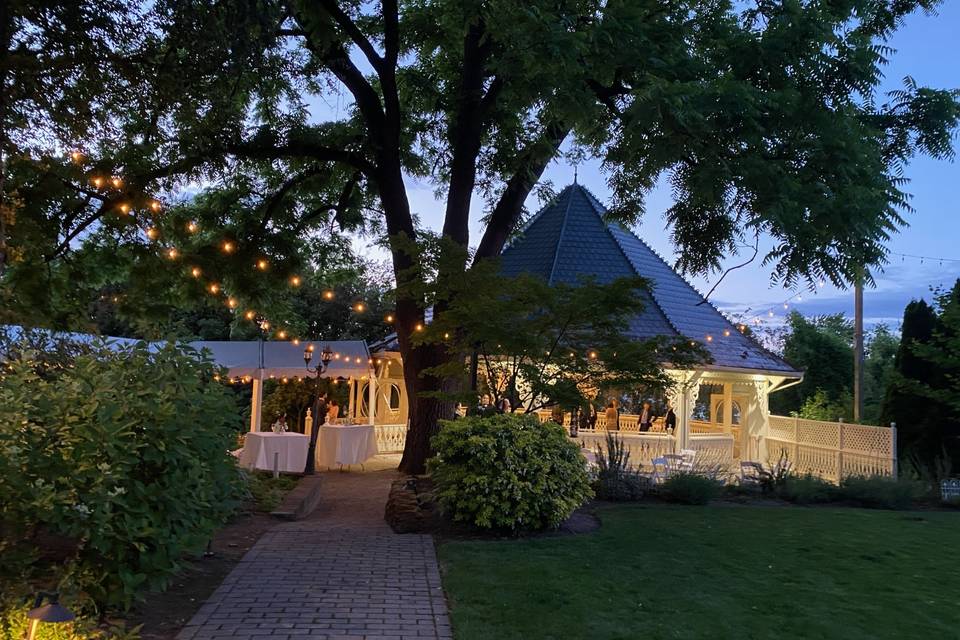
575 167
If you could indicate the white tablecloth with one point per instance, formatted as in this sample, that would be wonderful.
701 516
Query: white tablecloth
260 447
345 444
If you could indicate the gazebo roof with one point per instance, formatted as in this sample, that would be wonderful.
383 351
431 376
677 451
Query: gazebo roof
571 238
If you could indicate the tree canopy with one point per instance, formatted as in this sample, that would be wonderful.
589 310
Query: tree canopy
302 116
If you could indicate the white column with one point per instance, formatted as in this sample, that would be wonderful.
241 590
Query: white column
372 399
351 389
256 401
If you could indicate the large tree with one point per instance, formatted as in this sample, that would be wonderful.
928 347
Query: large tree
765 116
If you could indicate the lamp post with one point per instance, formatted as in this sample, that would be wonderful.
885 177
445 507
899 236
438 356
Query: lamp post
52 612
326 357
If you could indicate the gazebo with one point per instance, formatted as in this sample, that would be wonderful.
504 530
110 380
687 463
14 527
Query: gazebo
259 361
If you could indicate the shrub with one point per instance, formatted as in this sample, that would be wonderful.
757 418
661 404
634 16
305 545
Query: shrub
616 480
122 456
690 488
807 489
882 492
508 472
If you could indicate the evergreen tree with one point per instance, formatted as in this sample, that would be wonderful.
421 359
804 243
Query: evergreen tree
914 415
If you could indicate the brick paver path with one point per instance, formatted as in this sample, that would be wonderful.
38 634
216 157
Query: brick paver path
340 574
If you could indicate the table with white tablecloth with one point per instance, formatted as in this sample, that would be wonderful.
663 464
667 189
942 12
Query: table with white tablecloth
345 444
260 448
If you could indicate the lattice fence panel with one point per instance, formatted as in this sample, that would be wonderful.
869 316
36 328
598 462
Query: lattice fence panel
819 434
783 428
713 449
777 448
868 440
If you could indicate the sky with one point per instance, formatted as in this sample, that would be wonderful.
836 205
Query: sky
928 49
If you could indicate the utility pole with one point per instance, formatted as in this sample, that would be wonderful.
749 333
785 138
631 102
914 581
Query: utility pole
858 348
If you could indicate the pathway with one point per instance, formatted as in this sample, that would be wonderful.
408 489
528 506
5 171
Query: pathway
340 574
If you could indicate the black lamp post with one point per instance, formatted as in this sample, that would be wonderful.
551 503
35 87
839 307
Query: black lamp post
53 612
326 357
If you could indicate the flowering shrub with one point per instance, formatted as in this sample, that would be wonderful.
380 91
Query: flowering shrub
113 465
508 472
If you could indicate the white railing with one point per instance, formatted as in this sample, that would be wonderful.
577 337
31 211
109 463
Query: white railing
713 449
832 450
390 437
643 447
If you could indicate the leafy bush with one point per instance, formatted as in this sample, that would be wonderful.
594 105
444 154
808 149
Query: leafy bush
508 472
807 489
690 488
616 480
882 492
121 456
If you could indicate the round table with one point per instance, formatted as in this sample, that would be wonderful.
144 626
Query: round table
261 447
345 444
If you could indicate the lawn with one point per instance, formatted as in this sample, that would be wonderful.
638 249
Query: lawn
715 572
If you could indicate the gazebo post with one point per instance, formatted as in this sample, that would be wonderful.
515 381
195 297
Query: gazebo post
256 401
371 399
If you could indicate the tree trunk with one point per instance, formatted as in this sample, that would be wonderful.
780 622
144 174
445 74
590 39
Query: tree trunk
425 412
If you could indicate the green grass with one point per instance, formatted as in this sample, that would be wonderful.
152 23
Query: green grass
715 572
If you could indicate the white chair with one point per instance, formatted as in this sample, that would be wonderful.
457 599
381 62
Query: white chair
661 470
688 456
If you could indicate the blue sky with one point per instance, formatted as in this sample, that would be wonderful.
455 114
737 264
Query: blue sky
927 49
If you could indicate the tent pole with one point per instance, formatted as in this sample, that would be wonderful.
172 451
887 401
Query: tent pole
372 399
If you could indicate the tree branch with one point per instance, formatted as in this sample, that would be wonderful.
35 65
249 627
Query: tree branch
756 250
534 159
353 31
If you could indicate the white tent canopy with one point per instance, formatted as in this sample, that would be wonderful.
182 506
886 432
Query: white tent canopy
285 359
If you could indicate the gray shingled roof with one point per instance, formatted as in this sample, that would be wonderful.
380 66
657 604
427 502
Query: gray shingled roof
570 238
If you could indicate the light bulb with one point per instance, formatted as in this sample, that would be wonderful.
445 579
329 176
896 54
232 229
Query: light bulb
172 253
195 272
77 157
250 315
282 335
232 303
191 227
295 281
152 233
214 288
116 182
227 246
262 264
389 318
359 307
125 208
328 295
155 205
97 182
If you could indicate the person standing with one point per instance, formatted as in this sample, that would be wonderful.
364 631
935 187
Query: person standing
504 406
646 417
670 419
612 416
333 411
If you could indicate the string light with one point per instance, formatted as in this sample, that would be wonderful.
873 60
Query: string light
295 281
282 335
359 307
593 355
195 272
116 182
250 315
232 303
726 333
227 246
709 338
296 341
328 294
192 227
77 157
155 205
152 233
389 318
214 288
97 181
125 208
172 253
419 327
262 264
